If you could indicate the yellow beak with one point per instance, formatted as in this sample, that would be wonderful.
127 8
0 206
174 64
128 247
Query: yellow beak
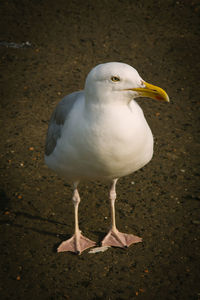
152 91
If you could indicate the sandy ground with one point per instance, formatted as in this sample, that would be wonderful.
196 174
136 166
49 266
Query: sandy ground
160 202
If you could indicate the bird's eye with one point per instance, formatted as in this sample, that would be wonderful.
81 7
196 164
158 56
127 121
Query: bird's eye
115 78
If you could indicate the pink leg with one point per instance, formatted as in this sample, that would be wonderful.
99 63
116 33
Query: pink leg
77 243
114 237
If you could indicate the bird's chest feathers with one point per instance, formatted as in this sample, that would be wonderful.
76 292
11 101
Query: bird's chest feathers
116 132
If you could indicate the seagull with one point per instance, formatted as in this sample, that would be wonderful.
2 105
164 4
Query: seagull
100 133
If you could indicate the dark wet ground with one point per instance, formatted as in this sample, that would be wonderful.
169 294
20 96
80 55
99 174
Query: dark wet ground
160 202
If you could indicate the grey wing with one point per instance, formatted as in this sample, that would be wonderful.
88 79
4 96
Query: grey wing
57 120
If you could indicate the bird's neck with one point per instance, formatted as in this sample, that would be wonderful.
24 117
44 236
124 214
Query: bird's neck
105 101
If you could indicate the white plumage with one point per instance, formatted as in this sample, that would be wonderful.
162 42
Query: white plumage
101 133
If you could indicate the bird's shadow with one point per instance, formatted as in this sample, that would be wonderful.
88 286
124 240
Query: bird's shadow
62 237
100 236
4 200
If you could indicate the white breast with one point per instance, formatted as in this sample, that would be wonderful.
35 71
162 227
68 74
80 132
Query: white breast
104 143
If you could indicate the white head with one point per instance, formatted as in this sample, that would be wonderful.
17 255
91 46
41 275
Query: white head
119 79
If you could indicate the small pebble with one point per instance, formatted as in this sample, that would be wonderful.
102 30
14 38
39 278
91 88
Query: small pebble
196 222
98 249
